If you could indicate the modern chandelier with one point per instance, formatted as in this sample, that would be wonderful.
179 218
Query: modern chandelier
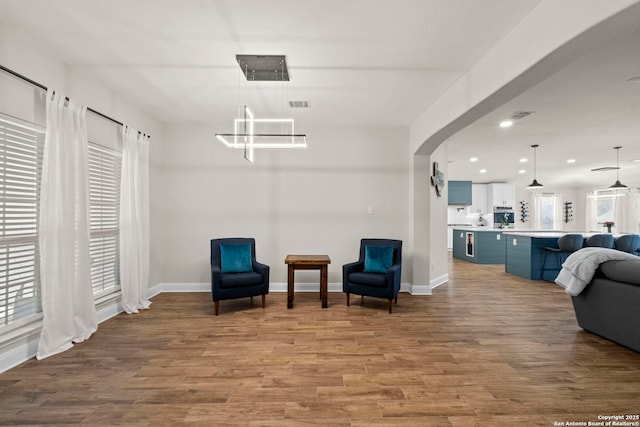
535 184
618 184
251 133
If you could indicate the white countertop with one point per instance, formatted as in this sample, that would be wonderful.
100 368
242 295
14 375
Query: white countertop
542 234
523 232
552 234
479 228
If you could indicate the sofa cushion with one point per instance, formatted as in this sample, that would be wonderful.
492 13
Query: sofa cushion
237 280
235 258
369 279
625 271
377 259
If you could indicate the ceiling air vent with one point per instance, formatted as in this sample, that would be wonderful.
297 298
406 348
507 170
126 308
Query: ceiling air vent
521 114
605 168
299 104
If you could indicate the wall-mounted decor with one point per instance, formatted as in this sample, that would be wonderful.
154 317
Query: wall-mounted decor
524 211
437 179
568 212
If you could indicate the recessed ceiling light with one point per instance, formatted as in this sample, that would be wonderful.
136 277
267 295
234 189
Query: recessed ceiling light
506 123
483 171
571 161
473 159
521 171
524 160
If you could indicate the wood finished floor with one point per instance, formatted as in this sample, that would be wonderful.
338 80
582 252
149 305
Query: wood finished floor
487 349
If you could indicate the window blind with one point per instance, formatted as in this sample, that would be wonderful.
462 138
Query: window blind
21 145
104 209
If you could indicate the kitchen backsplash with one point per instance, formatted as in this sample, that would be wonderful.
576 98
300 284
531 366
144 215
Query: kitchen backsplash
460 215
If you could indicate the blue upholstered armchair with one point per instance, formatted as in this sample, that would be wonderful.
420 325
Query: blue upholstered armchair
377 271
235 273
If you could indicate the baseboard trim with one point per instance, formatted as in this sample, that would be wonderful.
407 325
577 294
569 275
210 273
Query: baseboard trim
440 280
273 287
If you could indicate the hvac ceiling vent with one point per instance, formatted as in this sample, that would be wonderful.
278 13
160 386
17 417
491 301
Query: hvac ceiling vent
605 168
299 104
521 114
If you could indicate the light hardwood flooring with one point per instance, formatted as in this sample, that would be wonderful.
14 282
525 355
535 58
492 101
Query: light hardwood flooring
486 349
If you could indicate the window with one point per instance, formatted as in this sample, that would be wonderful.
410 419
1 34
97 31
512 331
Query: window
21 145
104 210
545 211
605 209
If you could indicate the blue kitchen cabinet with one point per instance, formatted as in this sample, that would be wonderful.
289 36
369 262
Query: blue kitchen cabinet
460 192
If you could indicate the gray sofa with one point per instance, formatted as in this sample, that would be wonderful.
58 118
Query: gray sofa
610 304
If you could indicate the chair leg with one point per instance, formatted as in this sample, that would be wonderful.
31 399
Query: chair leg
264 300
216 304
396 298
390 304
347 299
361 299
251 303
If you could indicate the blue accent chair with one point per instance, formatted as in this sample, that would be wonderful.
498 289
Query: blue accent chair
234 285
628 243
379 285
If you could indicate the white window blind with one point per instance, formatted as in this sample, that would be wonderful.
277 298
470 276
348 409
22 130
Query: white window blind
104 208
21 146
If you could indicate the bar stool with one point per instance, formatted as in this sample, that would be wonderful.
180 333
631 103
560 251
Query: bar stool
567 244
601 241
628 243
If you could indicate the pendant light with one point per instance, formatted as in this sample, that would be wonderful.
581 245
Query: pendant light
535 184
618 184
246 135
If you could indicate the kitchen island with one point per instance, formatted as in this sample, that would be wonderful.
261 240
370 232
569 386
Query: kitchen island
480 245
525 254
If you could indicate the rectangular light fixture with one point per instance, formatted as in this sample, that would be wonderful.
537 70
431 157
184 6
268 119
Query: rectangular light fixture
245 135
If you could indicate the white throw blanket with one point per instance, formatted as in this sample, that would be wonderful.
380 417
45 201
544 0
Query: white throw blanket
580 266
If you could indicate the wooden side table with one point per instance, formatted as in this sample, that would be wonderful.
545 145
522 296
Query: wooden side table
307 262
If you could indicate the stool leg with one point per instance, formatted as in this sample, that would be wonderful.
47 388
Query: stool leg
544 263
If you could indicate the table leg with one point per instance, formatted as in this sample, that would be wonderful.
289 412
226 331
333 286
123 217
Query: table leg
290 284
323 285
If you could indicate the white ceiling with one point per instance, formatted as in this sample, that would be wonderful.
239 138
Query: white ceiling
364 62
357 61
580 113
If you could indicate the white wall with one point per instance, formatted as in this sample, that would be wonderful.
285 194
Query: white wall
307 201
569 194
438 271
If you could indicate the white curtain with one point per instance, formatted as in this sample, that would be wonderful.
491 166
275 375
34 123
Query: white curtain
134 221
625 210
558 211
542 216
590 212
68 308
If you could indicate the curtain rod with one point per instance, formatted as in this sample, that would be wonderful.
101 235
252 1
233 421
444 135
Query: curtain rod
43 87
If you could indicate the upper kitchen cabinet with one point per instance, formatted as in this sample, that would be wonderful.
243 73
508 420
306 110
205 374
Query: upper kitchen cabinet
460 192
479 199
501 195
